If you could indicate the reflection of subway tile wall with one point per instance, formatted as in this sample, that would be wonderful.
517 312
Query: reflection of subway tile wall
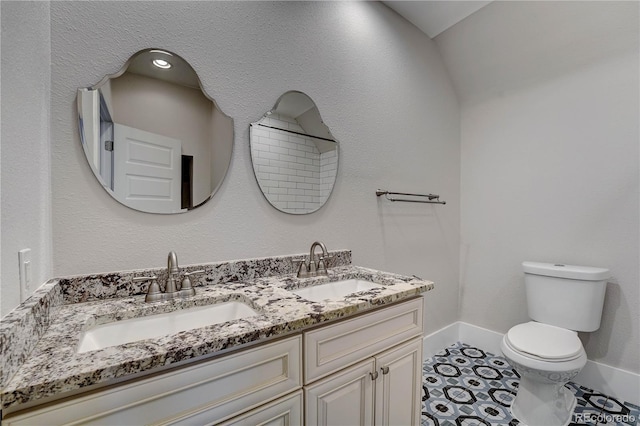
289 167
328 170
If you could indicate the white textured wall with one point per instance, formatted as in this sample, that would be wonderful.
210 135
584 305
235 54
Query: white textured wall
25 213
550 159
382 90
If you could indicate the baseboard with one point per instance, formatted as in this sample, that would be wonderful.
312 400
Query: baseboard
612 381
620 384
482 338
440 339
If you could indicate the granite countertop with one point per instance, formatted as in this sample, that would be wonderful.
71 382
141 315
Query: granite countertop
54 367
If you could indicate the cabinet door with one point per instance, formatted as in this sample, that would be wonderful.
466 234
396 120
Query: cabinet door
398 387
342 399
285 411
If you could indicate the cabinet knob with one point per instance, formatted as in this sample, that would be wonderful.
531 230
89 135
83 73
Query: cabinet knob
385 369
373 375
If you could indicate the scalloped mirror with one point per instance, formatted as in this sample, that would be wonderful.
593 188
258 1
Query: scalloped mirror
154 139
294 155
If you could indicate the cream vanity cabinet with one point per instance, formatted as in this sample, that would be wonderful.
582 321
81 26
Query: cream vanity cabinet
258 384
366 370
363 370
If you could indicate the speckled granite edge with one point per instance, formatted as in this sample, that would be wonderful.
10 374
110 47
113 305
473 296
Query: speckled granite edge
21 328
55 366
86 288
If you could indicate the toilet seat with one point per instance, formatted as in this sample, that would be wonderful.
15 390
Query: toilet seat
544 342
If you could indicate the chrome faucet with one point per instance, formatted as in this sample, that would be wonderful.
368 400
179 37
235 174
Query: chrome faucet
310 268
171 288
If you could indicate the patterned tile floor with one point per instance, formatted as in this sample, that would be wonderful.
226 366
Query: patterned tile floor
465 386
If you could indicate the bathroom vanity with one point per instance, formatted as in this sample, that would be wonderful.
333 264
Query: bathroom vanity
352 359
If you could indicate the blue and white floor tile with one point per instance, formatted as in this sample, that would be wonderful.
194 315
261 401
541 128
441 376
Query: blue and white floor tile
466 386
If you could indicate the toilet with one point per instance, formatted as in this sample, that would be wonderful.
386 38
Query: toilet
546 352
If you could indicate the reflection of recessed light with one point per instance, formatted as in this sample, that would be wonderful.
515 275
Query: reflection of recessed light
161 63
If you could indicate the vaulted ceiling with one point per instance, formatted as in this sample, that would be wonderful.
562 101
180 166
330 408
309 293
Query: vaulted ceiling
433 17
493 47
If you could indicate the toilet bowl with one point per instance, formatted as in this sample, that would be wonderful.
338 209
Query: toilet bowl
546 358
546 352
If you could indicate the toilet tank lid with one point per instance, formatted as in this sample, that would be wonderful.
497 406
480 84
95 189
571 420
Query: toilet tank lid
559 270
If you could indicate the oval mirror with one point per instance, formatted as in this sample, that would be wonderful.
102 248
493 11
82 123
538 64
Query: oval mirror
153 138
294 155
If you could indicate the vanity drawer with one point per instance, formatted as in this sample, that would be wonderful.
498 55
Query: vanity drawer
284 411
210 391
334 347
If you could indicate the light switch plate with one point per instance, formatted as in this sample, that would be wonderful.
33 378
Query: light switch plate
24 262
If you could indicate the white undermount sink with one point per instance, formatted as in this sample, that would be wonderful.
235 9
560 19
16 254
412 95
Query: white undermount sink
335 290
131 330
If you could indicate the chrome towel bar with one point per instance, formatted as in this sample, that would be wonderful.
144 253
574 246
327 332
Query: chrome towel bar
431 198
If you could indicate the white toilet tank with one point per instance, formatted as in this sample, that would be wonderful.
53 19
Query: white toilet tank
566 296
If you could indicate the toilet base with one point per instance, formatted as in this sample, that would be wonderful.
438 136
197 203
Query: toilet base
543 404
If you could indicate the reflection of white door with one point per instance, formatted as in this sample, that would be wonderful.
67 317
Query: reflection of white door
147 170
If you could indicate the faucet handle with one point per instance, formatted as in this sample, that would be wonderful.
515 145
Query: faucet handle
300 266
303 271
153 292
186 282
137 279
186 289
322 267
